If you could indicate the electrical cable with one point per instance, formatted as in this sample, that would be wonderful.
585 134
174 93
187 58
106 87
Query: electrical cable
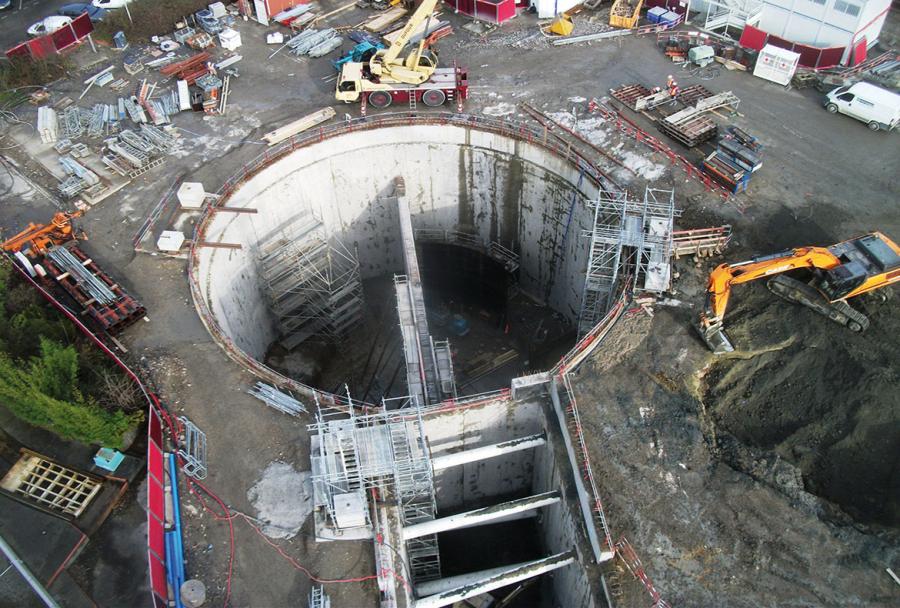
226 514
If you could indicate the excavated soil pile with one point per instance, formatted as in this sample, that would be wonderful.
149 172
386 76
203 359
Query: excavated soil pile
717 521
825 399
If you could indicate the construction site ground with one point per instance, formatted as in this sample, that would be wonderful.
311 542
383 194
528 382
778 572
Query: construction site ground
768 478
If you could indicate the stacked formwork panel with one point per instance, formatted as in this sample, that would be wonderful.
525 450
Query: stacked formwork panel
312 285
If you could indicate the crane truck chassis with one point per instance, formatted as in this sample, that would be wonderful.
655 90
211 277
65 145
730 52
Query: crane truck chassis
444 85
840 272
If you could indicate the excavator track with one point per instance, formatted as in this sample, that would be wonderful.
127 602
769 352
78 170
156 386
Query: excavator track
799 292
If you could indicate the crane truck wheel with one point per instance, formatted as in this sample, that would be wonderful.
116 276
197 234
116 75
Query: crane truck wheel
854 326
874 126
434 98
379 99
832 108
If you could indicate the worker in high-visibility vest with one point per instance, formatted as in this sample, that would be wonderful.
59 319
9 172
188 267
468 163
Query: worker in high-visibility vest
673 91
669 81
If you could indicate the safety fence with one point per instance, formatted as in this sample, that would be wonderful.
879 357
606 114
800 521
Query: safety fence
156 415
642 137
156 509
512 129
592 339
631 560
810 56
42 47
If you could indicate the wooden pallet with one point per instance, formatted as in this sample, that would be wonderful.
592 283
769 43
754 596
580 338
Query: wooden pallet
689 96
691 133
629 94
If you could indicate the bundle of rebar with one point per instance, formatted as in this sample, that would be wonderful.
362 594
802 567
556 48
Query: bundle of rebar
92 285
275 399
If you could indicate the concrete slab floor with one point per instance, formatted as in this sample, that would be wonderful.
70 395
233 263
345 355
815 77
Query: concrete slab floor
825 178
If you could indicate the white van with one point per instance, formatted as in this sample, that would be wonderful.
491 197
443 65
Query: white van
876 107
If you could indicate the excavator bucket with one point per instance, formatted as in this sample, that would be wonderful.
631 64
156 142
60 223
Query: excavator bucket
562 26
716 339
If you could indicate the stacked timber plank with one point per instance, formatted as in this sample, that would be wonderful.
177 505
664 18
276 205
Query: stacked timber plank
298 126
190 69
691 132
385 19
689 96
629 94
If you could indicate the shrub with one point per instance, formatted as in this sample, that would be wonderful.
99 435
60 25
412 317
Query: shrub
23 393
149 18
21 72
47 382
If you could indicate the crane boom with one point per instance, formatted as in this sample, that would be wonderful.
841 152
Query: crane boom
38 236
392 53
842 271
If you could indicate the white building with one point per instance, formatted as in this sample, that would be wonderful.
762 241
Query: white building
825 23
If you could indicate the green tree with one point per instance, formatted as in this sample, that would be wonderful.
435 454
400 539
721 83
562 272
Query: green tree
55 372
78 419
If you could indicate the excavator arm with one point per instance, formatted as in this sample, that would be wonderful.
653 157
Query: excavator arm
725 276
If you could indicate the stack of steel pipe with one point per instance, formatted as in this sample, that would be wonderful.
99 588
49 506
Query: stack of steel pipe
276 399
91 284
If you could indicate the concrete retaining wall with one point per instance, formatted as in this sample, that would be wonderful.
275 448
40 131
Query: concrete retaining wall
468 485
457 178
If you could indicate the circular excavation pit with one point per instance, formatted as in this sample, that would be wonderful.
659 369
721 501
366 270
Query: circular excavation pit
306 283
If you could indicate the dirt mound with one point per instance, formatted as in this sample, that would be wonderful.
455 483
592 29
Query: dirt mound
823 398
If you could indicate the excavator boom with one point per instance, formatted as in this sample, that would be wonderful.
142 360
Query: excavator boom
843 271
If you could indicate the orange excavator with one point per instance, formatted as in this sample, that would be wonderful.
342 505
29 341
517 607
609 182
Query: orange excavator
35 239
840 272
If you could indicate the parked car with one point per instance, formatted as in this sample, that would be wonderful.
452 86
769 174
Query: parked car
48 25
111 4
877 107
74 10
208 22
5 4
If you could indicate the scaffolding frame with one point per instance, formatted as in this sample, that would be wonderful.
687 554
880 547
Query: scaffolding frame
386 450
312 283
627 238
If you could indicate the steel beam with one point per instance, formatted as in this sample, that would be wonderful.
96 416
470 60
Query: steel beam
455 459
23 569
477 517
470 585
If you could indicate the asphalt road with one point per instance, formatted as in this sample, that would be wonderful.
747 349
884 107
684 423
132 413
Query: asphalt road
15 21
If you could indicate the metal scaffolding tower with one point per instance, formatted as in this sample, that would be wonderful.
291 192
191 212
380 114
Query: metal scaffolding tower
628 238
387 450
312 283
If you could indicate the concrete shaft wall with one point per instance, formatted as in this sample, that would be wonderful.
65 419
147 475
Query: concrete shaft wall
470 484
457 178
530 471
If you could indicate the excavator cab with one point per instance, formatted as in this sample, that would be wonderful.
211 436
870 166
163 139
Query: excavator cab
841 280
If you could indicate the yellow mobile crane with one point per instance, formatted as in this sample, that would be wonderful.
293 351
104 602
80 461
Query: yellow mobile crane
387 77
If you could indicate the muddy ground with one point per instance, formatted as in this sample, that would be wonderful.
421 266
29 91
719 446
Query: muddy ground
763 480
